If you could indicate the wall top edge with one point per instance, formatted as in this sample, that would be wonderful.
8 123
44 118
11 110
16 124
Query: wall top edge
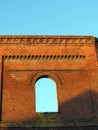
30 39
44 36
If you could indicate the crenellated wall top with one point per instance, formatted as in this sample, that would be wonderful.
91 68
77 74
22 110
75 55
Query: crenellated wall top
47 39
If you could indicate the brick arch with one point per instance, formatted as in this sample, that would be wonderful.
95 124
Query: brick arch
50 75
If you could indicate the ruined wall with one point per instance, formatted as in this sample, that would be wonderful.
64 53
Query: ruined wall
70 61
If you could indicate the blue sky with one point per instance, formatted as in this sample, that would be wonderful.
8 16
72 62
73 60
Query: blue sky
46 95
49 17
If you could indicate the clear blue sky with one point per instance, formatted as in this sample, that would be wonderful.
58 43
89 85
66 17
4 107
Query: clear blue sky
46 95
49 17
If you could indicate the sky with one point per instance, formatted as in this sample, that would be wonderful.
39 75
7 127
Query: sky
48 17
46 95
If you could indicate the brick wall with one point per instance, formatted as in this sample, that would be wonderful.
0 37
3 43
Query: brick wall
69 60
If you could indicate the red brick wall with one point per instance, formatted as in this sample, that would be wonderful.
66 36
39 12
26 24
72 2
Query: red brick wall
71 61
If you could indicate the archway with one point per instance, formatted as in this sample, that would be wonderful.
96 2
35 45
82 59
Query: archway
46 95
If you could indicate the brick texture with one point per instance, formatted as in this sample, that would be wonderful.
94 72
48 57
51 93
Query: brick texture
71 61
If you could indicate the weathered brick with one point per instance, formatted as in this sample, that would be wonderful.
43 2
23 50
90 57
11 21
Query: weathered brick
71 61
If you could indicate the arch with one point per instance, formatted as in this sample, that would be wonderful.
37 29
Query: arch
51 75
46 95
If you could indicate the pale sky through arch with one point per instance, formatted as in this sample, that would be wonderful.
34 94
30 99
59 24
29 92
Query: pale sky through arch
46 95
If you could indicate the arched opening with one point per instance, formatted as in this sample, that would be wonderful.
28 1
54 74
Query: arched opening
46 95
